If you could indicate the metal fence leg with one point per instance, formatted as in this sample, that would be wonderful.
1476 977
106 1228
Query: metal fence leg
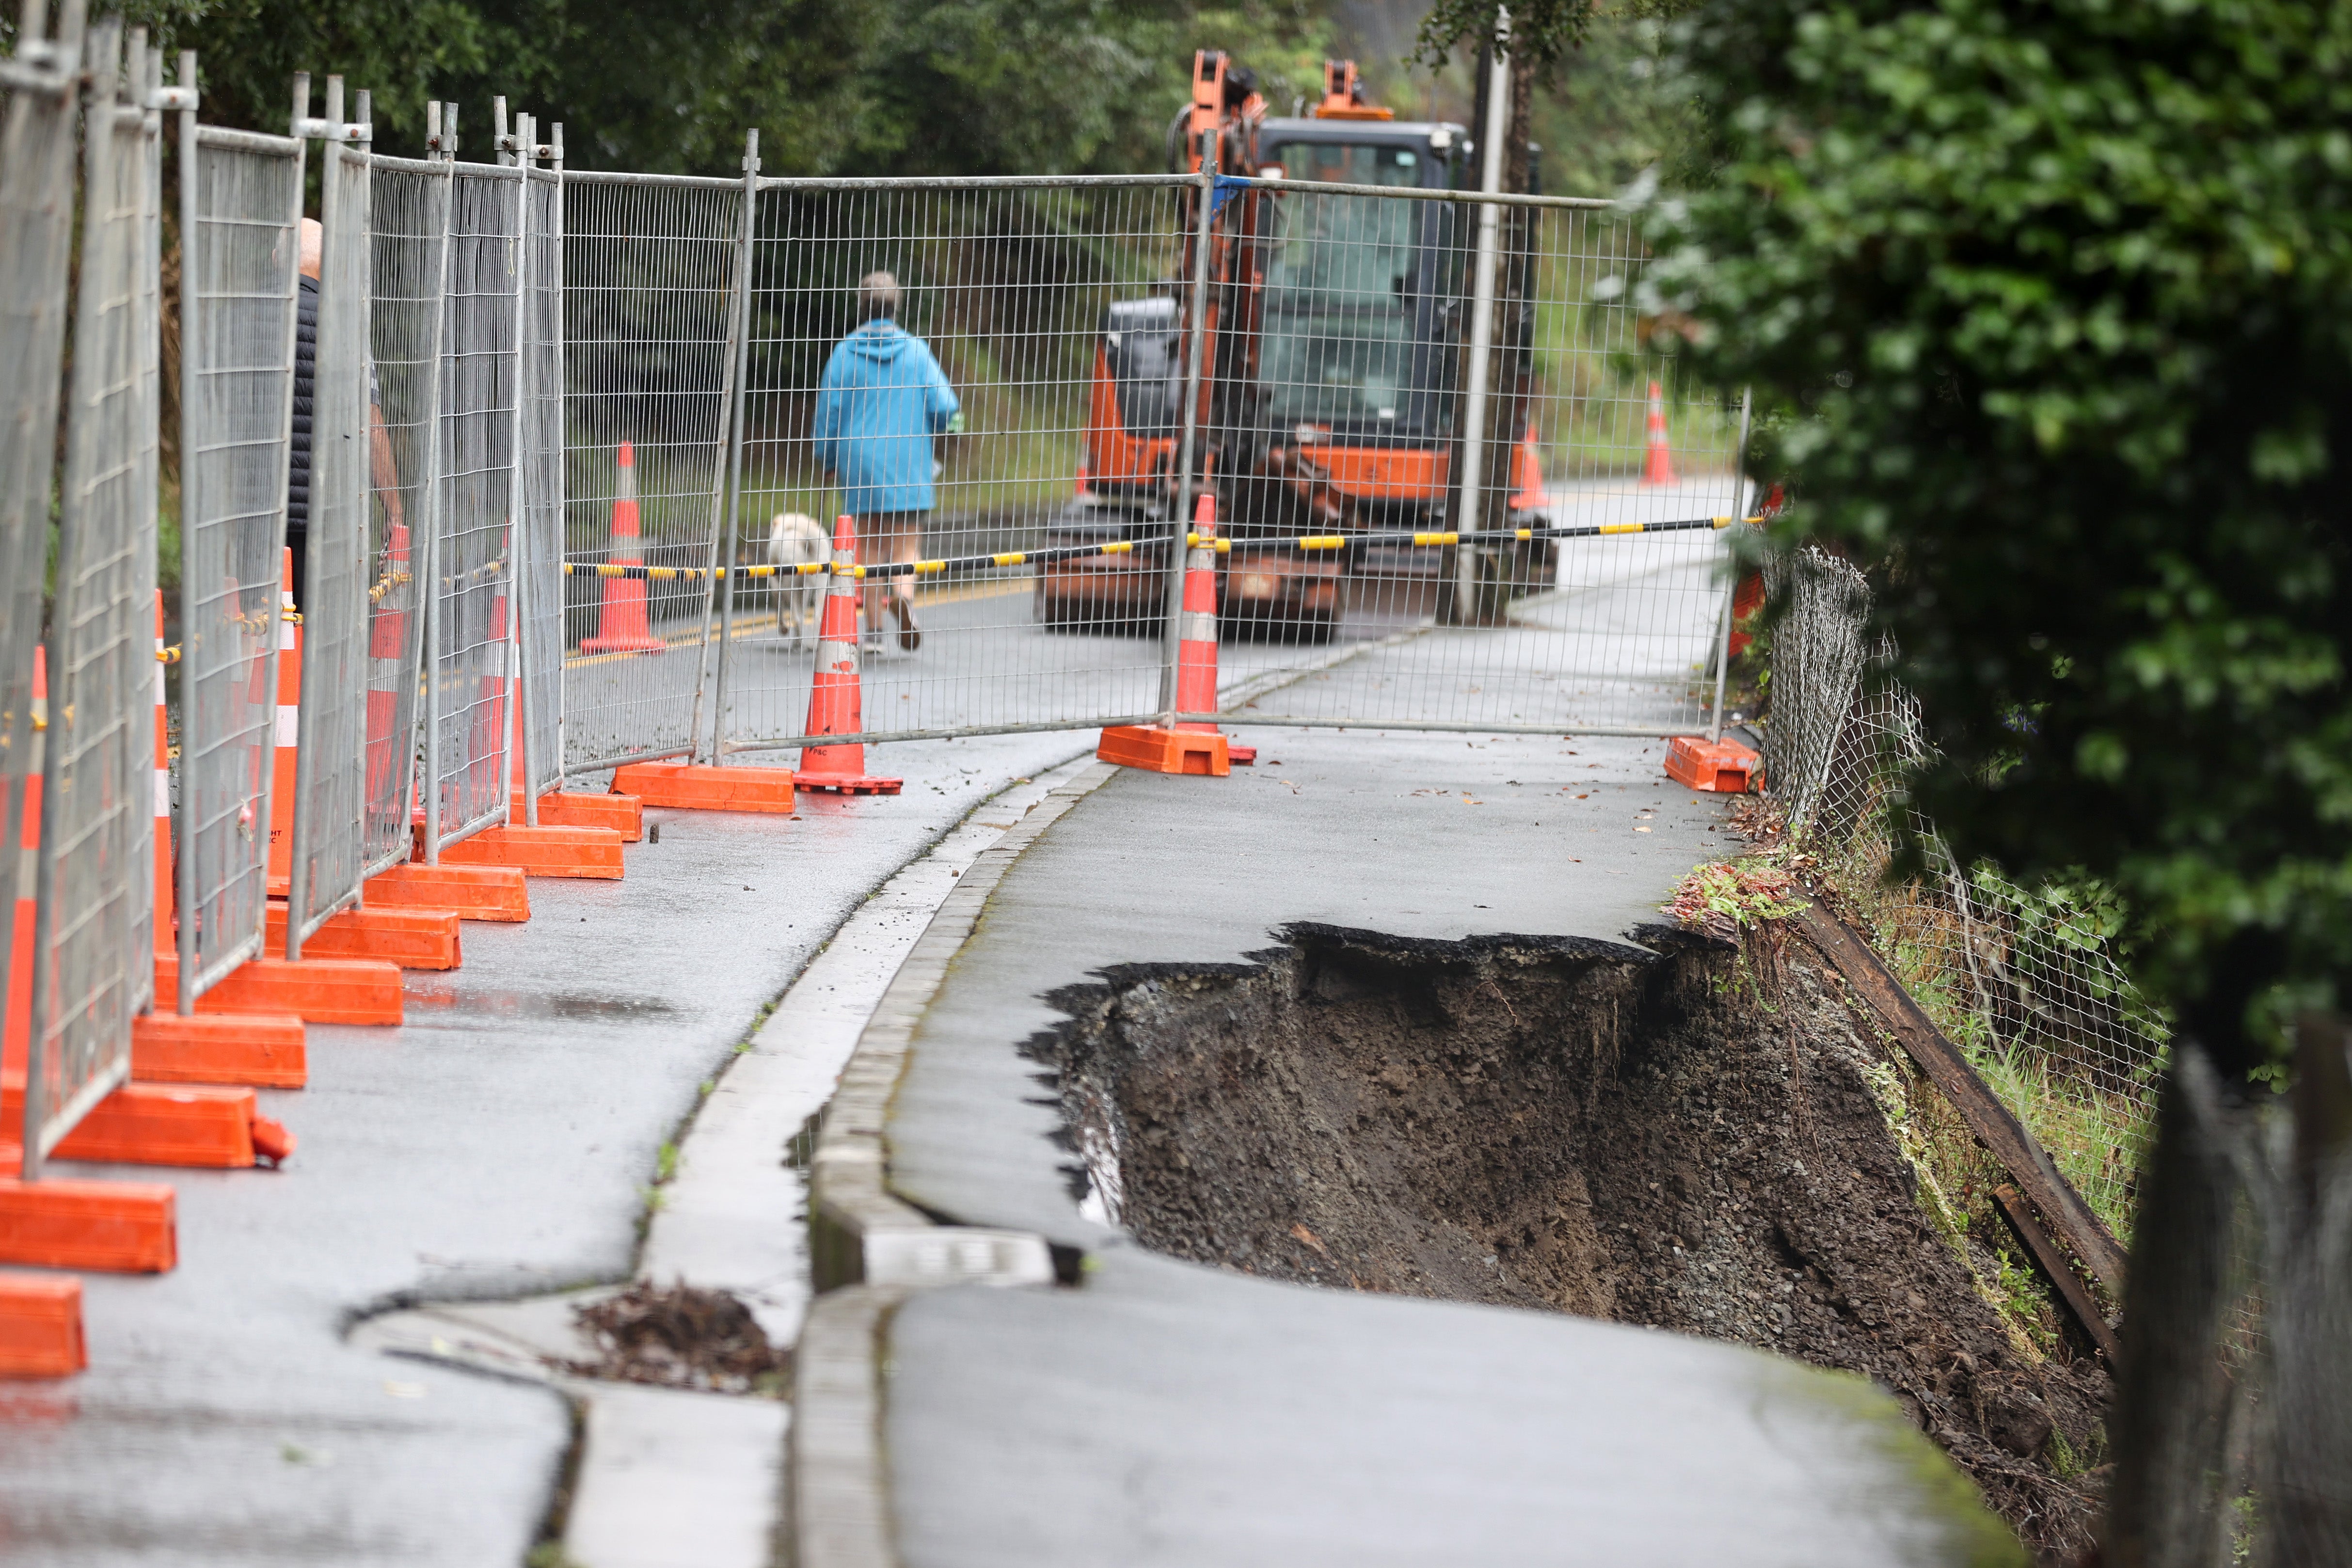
739 334
1730 589
519 499
733 527
1189 442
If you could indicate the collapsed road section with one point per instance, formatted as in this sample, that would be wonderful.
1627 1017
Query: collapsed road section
1714 1141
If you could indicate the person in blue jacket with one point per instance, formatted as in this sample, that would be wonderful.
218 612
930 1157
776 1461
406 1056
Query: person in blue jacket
882 400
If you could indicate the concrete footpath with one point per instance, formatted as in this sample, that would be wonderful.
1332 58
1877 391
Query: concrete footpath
1155 1411
497 1146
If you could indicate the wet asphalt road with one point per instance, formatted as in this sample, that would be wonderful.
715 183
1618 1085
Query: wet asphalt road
494 1145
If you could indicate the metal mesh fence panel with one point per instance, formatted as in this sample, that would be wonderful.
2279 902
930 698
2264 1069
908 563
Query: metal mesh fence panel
329 808
409 215
1008 437
2023 979
36 172
649 282
467 711
1577 581
542 461
956 431
94 932
240 197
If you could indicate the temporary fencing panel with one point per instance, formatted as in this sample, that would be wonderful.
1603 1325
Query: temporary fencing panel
37 146
540 577
240 204
94 934
649 272
467 698
329 810
1010 285
1014 514
1584 584
408 204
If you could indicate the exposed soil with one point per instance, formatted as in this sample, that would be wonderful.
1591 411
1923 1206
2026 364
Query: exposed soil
681 1337
1689 1142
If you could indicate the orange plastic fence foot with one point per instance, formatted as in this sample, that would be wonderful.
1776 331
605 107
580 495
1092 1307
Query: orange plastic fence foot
1725 767
494 893
160 1124
1237 754
108 1226
542 852
1155 749
40 1326
412 938
316 991
622 813
219 1048
699 789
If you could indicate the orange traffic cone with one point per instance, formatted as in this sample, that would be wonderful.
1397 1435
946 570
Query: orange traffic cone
835 706
289 734
1526 474
1196 647
1658 464
1193 747
387 639
621 624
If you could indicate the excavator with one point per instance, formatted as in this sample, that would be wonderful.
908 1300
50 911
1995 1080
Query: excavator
1332 332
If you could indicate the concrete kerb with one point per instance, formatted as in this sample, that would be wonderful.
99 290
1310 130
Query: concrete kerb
859 1231
871 1250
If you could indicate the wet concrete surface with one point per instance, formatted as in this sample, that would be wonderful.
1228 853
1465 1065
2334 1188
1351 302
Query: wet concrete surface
1412 834
495 1145
1164 1412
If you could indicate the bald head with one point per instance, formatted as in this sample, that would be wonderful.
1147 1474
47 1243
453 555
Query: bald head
314 247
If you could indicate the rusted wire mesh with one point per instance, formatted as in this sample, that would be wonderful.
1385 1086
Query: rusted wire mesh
2024 979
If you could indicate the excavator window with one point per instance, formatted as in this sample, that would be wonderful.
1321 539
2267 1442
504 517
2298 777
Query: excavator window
1343 293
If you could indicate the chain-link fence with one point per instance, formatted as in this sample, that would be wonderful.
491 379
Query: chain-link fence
36 180
2023 979
240 255
467 701
331 804
94 931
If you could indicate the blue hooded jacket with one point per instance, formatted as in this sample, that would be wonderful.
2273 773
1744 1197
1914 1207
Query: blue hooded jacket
882 399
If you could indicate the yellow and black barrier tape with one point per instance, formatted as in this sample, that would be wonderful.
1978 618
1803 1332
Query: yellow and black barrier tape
1048 557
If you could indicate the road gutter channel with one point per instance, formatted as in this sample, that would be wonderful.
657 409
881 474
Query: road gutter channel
671 1475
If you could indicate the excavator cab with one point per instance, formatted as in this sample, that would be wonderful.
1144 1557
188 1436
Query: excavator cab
1333 328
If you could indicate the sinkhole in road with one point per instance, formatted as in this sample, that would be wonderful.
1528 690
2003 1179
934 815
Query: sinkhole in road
1695 1139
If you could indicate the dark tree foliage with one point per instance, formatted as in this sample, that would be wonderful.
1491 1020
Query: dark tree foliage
2052 302
872 86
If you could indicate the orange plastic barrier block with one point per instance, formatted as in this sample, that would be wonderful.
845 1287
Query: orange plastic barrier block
316 991
155 1124
412 938
700 788
265 1050
110 1227
542 852
624 813
1157 750
1725 767
40 1326
470 892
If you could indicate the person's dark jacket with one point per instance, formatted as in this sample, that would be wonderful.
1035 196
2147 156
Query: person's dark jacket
306 361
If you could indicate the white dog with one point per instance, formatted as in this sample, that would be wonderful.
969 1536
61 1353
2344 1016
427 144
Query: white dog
795 540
